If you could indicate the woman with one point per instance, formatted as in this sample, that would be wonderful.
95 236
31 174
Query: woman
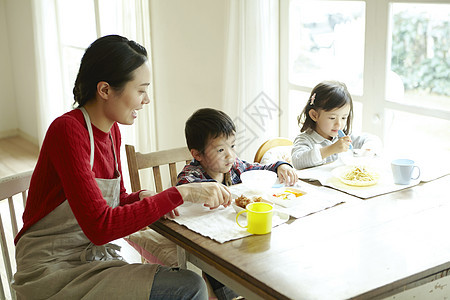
77 202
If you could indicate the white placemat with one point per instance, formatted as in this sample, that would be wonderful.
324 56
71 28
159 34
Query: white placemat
433 164
218 224
324 174
433 167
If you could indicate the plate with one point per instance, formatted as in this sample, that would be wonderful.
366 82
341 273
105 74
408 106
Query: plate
352 175
236 207
286 196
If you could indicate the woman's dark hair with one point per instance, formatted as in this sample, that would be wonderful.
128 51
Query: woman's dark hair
327 95
205 124
112 59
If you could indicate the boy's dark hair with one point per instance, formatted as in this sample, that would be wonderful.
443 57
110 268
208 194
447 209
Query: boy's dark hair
205 124
111 58
327 95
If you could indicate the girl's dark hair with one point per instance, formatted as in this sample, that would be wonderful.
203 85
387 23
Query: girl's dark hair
327 95
112 59
204 124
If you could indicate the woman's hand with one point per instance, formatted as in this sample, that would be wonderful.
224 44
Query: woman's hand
171 214
287 175
211 194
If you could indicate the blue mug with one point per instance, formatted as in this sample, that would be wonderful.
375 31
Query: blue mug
402 170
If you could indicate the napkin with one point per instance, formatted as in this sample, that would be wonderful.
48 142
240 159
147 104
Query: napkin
218 224
433 167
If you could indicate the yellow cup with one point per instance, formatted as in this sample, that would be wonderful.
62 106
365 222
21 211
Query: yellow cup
259 217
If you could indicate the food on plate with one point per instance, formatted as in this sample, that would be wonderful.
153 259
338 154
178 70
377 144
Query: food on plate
288 195
242 201
359 176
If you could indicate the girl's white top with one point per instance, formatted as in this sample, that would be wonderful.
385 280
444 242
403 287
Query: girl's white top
307 145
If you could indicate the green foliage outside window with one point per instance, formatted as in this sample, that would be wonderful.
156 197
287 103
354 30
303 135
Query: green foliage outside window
421 53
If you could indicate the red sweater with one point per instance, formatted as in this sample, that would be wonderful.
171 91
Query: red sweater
63 172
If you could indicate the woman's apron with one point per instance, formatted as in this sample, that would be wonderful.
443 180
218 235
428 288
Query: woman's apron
55 259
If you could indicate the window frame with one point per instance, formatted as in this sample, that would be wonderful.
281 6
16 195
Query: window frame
376 64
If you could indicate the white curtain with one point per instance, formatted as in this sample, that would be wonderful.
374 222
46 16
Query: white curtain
142 134
130 18
251 93
57 63
50 85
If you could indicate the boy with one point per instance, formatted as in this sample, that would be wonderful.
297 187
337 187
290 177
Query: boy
211 136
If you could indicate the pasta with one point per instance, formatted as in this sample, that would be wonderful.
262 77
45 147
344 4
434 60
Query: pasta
358 173
359 176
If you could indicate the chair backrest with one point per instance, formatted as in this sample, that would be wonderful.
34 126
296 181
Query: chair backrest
138 161
271 143
11 188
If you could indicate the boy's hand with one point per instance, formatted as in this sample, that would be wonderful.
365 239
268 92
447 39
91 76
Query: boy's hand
211 194
287 175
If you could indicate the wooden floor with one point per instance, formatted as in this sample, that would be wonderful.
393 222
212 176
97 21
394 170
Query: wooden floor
17 155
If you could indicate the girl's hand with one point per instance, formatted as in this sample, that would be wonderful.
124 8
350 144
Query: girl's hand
342 144
211 194
287 174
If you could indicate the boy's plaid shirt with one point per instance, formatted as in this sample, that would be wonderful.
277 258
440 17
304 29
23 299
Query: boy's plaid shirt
194 172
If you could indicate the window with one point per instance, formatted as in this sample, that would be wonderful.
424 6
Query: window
80 23
66 28
73 18
326 38
418 105
394 57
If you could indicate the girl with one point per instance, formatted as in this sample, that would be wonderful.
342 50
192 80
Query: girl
328 110
77 203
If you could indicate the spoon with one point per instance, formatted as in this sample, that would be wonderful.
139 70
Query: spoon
342 134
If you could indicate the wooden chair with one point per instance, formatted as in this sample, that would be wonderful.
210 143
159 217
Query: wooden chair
11 186
271 143
138 161
153 247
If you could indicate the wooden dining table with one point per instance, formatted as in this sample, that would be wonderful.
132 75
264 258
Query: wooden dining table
361 249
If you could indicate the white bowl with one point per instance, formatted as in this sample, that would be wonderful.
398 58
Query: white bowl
259 179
